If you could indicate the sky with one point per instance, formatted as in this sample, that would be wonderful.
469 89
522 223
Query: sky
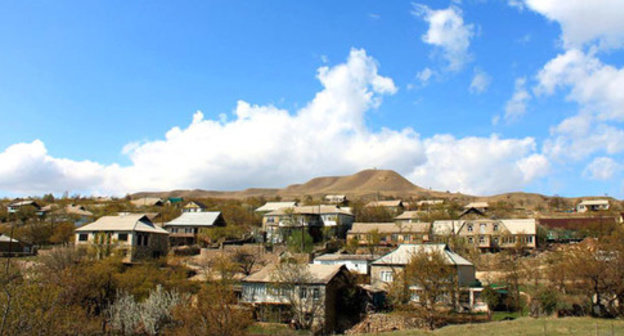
473 96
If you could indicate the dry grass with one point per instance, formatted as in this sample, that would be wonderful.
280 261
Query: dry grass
578 326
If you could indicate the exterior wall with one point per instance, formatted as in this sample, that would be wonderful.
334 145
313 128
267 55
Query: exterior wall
394 238
491 234
465 275
597 207
157 244
377 272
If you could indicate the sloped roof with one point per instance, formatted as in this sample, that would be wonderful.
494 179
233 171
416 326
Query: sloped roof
389 203
595 202
7 239
520 226
403 254
410 215
311 210
146 201
339 257
197 203
78 210
336 198
420 227
24 203
272 206
477 205
319 274
195 219
430 202
130 222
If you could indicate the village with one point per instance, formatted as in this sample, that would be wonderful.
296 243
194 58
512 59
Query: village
320 264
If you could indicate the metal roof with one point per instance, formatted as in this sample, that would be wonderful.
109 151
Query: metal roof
272 206
318 273
195 219
403 254
130 222
420 227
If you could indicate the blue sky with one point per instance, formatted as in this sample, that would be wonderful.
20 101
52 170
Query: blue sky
88 92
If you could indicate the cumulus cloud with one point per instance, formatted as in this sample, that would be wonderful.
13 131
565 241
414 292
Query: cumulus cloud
602 168
424 75
479 165
480 82
516 106
583 22
448 32
268 146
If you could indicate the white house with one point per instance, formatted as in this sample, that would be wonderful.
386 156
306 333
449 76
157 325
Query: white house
356 263
593 205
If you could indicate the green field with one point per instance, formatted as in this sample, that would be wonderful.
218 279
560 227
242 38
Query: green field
527 326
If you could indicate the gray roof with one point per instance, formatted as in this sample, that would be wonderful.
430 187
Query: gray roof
595 202
403 254
390 203
272 206
311 210
130 222
339 257
520 226
391 227
195 219
7 239
319 274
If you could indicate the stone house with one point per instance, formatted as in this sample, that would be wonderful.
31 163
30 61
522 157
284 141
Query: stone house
184 229
488 234
320 292
390 233
279 224
133 236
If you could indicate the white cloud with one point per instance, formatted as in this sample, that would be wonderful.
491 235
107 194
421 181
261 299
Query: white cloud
584 22
448 32
480 82
602 168
516 106
519 4
479 165
425 75
268 146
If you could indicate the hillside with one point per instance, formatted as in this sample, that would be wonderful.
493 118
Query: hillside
366 184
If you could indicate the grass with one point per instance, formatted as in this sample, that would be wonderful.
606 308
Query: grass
526 326
498 316
274 329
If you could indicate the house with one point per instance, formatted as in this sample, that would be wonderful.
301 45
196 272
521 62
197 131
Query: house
272 206
488 234
15 206
480 206
336 199
147 202
410 217
390 233
319 290
575 229
194 206
592 205
12 246
174 200
134 236
183 230
355 263
385 269
73 212
279 224
429 203
394 206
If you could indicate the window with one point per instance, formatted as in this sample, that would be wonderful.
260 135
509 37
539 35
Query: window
495 239
482 228
395 237
469 227
122 237
530 239
387 276
481 240
470 240
145 240
495 227
83 237
316 294
303 292
408 237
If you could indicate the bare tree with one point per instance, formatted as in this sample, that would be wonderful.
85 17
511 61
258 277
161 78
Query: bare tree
293 283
